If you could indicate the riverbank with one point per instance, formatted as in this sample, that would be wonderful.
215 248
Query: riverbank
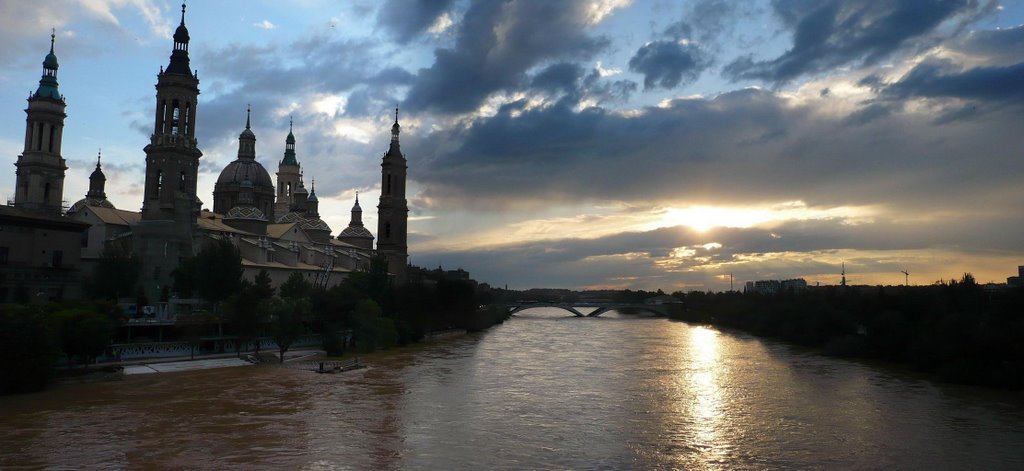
956 333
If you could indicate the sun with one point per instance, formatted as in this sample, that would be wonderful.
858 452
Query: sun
704 218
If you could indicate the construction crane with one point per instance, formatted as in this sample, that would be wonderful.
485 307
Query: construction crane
906 278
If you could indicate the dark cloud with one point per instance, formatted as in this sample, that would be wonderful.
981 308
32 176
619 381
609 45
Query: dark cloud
264 77
497 43
562 77
940 79
406 19
1000 46
833 33
740 147
667 64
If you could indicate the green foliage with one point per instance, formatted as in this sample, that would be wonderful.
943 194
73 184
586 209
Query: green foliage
114 277
371 331
84 333
295 286
956 331
287 320
263 288
214 274
30 347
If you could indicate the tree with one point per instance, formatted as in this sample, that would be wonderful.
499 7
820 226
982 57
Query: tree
295 286
30 347
372 331
114 277
287 316
215 273
84 333
263 288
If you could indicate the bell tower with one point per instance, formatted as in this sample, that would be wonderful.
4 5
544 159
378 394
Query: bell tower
39 184
287 176
163 238
393 209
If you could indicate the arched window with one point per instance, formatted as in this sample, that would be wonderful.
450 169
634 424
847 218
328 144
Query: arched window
159 183
46 192
182 182
389 185
188 115
175 115
39 137
53 130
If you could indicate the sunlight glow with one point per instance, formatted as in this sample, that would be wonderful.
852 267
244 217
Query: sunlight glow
703 218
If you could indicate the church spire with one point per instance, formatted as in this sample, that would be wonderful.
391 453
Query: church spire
357 214
289 147
179 57
396 128
97 180
247 139
48 82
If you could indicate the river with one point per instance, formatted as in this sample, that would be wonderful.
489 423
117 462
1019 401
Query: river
542 391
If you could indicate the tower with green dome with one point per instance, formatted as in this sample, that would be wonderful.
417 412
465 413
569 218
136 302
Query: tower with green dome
288 176
39 184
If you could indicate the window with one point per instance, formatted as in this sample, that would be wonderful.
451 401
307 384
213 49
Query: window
85 238
39 137
57 258
46 192
159 183
175 116
389 184
52 132
188 112
4 253
387 230
182 182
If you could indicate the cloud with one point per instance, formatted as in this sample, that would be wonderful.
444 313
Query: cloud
668 64
939 79
677 257
497 43
406 19
835 33
265 24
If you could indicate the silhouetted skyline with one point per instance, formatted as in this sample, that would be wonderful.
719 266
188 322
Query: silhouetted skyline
642 144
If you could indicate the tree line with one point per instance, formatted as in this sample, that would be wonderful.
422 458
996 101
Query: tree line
367 311
954 330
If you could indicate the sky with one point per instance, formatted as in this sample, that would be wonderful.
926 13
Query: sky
645 144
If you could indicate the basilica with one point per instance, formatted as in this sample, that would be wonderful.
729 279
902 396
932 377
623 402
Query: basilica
276 226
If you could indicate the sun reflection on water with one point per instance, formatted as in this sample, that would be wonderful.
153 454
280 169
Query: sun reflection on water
703 388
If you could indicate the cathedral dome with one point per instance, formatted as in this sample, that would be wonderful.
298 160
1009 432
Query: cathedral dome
181 34
355 231
245 212
245 169
50 62
90 202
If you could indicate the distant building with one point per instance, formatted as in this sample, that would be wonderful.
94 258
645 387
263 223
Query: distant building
1016 281
40 256
775 286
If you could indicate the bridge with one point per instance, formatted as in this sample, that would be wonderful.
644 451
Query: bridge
599 307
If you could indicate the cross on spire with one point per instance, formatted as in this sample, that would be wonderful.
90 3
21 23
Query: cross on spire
248 111
53 37
182 12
